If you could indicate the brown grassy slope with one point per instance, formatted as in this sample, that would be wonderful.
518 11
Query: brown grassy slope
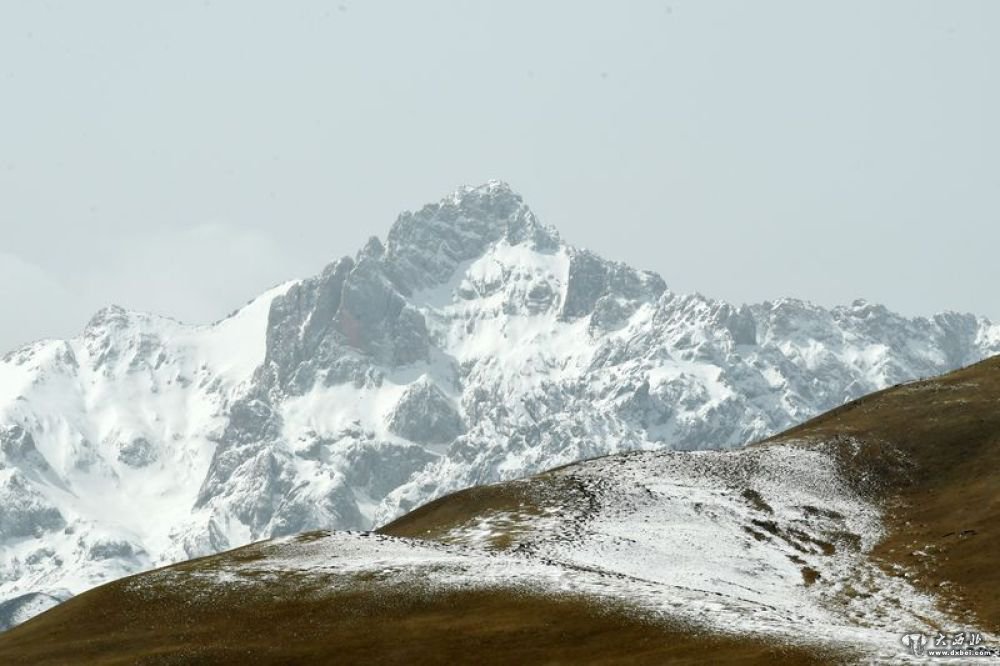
177 619
433 520
522 500
943 494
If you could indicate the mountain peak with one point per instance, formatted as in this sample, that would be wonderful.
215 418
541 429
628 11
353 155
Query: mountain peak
491 188
109 315
424 248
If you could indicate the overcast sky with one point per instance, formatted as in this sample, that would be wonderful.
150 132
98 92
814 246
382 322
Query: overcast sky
180 157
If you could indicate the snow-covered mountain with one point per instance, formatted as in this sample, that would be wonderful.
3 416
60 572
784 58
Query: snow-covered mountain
473 345
866 535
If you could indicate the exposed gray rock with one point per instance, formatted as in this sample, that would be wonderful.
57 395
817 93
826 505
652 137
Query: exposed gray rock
24 511
303 508
424 414
592 278
587 283
109 549
425 248
378 468
138 453
17 449
300 331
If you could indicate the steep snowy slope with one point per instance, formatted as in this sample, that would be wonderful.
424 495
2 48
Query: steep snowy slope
104 443
21 609
473 345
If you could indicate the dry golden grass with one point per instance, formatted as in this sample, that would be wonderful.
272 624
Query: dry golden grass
521 500
299 621
942 495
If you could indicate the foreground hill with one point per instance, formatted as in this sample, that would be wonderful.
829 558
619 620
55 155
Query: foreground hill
473 345
929 453
825 544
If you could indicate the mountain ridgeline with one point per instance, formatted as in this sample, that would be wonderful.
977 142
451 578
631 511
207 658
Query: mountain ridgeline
473 345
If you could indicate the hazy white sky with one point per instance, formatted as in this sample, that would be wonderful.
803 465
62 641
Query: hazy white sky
180 157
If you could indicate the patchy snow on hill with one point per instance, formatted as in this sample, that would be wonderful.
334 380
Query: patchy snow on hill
767 541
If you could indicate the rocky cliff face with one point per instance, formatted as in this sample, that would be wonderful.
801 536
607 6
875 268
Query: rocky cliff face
473 345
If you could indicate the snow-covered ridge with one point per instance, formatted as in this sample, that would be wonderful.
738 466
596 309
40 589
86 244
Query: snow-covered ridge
472 345
768 541
105 440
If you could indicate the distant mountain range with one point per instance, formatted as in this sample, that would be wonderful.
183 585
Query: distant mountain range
472 345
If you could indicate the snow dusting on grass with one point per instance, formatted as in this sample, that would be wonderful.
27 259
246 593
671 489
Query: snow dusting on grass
768 541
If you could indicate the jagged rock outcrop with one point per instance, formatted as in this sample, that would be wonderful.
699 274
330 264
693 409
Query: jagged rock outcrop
424 414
